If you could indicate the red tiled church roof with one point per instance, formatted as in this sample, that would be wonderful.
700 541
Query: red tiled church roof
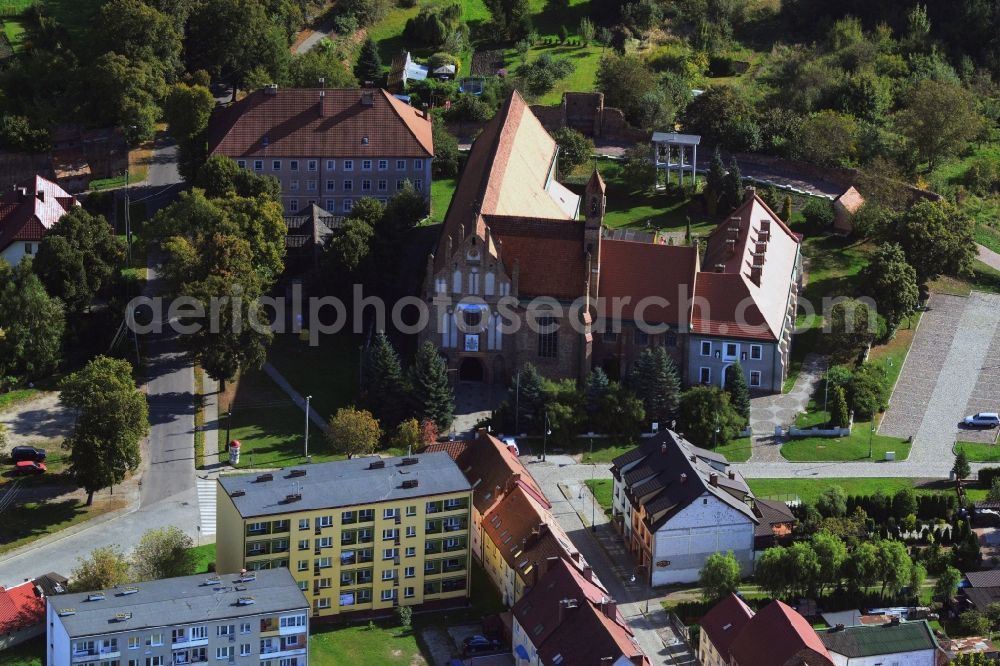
643 270
288 123
550 255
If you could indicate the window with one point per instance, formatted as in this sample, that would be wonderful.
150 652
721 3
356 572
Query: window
323 603
400 165
224 652
408 592
331 165
293 165
245 628
411 510
383 185
303 565
323 562
389 514
409 572
411 531
756 352
705 375
303 544
275 165
133 642
383 165
312 165
418 185
293 205
366 165
388 535
453 503
366 515
364 140
293 621
390 553
348 517
732 350
258 165
154 661
418 165
366 186
324 521
346 578
330 204
755 378
293 185
388 574
399 185
388 595
241 164
303 523
348 165
548 341
29 248
225 630
199 633
706 348
411 551
157 639
311 185
245 650
348 185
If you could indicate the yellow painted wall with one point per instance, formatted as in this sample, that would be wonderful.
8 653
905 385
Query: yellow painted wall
228 533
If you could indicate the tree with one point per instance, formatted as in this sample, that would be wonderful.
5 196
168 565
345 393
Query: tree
732 187
163 553
993 495
725 116
220 176
637 170
353 432
715 181
708 417
428 432
852 327
404 614
804 567
31 324
891 282
187 109
139 32
385 389
446 160
739 392
974 623
786 209
719 577
938 239
539 76
433 396
563 34
938 119
862 566
407 436
595 391
831 553
947 584
511 18
574 149
828 138
894 565
870 390
904 503
961 469
832 502
369 66
655 381
840 415
527 394
325 61
112 418
818 214
967 553
79 258
123 92
621 414
106 567
586 31
625 81
772 572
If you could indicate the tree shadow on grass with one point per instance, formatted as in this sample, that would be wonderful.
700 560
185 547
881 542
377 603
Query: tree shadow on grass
35 519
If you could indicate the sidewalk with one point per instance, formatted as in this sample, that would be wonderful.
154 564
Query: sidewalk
988 257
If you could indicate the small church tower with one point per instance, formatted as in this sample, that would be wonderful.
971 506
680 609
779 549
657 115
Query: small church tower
594 201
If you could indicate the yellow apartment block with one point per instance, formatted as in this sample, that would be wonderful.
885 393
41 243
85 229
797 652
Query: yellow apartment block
366 534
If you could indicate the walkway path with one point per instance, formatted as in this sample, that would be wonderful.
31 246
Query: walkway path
769 411
988 257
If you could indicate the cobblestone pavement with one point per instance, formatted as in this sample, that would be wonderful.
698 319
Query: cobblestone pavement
922 366
985 395
769 411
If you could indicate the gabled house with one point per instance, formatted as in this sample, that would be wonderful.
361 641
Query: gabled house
733 635
895 642
22 613
27 212
570 619
675 504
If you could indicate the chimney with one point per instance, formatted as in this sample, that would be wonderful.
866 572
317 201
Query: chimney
610 607
731 246
367 98
693 458
713 479
322 103
755 272
576 557
720 268
761 246
684 477
839 627
731 474
748 192
663 448
588 572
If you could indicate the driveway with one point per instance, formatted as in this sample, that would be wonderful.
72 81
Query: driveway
39 421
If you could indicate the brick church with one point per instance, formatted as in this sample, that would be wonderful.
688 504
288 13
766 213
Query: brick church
519 277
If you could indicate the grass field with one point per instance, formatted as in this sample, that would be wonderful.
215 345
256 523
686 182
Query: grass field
983 278
360 645
33 520
11 398
204 555
853 447
809 489
737 450
978 452
13 28
327 372
602 489
442 190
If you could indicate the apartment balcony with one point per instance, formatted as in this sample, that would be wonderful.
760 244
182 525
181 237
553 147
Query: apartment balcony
277 652
458 507
459 527
453 568
455 548
182 642
91 655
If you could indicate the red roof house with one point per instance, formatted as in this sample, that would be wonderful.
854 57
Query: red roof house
22 614
27 212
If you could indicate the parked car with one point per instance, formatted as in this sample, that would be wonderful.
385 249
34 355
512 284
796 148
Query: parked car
479 643
983 420
29 467
19 453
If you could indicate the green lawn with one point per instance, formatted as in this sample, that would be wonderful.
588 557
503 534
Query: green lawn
442 190
602 489
737 450
384 643
809 489
983 278
892 354
204 555
978 452
14 30
853 447
33 520
30 653
328 372
11 398
14 7
604 453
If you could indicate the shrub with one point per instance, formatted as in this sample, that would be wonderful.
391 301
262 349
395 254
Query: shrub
574 149
405 616
540 76
869 390
818 213
983 176
470 108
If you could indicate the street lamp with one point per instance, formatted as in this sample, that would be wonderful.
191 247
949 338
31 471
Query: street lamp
593 498
871 433
545 434
308 398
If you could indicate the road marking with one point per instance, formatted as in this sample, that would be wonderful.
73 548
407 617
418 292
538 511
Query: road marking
206 505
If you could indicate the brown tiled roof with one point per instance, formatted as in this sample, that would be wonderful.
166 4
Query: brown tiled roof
507 173
588 637
550 254
493 470
771 513
730 302
777 636
288 123
644 270
723 623
525 533
851 199
453 447
28 216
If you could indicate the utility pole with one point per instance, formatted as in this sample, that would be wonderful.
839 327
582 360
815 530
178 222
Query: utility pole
545 433
871 433
308 398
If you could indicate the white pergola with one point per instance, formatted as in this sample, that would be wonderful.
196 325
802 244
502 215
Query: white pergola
673 152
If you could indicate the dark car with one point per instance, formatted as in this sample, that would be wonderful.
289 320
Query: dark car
19 453
479 643
29 467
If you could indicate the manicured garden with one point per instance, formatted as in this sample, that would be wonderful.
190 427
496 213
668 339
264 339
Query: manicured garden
979 452
856 446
